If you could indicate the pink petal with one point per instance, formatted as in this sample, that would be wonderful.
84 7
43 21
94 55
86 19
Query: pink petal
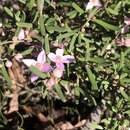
60 65
59 52
89 5
93 3
123 42
8 64
41 57
97 3
29 62
127 42
52 57
125 29
127 20
46 68
34 77
58 73
68 59
51 82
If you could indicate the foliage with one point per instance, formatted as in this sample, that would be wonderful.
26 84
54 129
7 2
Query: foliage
100 72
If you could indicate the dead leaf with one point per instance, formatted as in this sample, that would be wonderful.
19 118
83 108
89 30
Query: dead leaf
16 76
37 113
18 72
66 126
13 105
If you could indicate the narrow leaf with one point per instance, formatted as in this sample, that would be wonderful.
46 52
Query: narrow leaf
123 93
24 25
92 79
60 93
71 47
38 72
8 11
106 25
47 46
77 8
6 76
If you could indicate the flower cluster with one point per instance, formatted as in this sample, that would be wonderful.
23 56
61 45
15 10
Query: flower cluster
56 71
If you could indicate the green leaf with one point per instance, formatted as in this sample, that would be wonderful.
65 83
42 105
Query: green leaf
40 5
77 8
112 11
24 25
65 35
23 1
72 14
38 72
6 76
123 93
17 16
60 93
92 79
31 4
27 52
47 46
71 47
94 125
42 25
106 25
8 11
50 25
44 93
48 1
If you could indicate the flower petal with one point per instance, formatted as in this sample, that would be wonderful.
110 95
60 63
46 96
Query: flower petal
46 68
29 62
52 57
8 64
97 3
60 65
127 20
41 57
68 59
123 42
58 73
34 77
125 29
50 83
21 35
59 52
127 42
89 5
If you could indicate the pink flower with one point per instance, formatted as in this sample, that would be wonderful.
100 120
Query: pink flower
40 63
60 59
93 3
58 72
123 42
125 29
51 82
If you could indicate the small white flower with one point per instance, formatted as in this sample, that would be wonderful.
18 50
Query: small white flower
21 35
8 64
93 3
